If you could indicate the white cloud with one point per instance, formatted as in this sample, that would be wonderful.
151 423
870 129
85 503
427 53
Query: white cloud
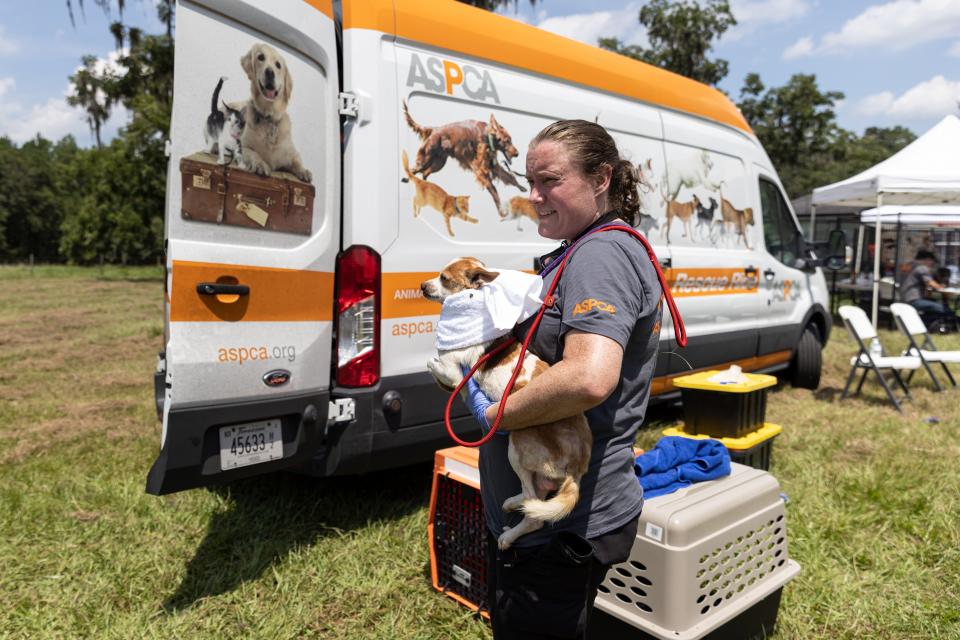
590 27
751 14
8 47
54 118
928 99
895 26
800 48
955 49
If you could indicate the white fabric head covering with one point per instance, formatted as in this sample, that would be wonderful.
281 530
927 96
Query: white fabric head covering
480 315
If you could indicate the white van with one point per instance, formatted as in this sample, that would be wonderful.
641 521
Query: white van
296 335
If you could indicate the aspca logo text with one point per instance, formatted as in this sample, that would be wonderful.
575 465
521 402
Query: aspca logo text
445 76
590 304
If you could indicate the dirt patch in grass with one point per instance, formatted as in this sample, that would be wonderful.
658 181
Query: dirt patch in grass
114 418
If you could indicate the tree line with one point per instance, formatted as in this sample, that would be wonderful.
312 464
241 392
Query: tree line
62 202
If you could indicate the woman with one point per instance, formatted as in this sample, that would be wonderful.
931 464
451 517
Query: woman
601 339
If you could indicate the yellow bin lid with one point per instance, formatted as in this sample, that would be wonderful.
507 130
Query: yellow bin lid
701 381
744 442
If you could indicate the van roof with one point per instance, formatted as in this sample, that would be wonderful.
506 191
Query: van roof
464 29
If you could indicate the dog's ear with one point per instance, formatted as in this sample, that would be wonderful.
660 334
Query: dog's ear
494 124
478 276
246 62
287 83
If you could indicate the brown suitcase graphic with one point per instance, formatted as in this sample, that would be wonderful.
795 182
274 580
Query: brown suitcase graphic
228 195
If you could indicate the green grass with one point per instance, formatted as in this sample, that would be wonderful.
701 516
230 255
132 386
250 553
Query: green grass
872 518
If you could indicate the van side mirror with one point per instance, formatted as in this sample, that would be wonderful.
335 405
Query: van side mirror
836 250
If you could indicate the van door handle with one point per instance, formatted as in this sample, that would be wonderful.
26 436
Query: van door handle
666 263
218 289
769 274
750 270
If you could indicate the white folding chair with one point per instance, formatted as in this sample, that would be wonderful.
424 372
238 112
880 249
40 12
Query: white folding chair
910 323
862 331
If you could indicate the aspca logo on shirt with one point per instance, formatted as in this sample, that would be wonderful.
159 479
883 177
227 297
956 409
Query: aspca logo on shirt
585 306
445 76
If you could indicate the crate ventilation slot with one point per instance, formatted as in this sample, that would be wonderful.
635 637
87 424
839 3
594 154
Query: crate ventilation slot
738 563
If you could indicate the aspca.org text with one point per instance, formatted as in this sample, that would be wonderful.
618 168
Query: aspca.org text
413 328
239 355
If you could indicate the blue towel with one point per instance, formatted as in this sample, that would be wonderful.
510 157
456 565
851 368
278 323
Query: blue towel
676 462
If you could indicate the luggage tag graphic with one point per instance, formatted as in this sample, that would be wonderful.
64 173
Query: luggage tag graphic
253 212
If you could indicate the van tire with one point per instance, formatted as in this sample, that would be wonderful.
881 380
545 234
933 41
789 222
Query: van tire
807 360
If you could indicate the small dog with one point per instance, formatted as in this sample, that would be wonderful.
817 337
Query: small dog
705 217
683 211
519 208
736 219
434 196
474 144
549 458
267 139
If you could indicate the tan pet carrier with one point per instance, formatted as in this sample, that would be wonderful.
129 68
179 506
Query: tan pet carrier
703 556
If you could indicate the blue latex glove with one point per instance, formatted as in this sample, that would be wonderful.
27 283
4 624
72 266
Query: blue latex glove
477 401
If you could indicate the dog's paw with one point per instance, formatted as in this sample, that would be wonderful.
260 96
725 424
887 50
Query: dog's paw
441 374
505 539
514 503
305 175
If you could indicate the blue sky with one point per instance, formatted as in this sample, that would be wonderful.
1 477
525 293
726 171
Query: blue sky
897 61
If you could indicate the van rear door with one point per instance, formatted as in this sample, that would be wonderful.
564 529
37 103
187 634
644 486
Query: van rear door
253 229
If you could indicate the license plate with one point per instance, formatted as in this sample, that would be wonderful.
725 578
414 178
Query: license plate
252 443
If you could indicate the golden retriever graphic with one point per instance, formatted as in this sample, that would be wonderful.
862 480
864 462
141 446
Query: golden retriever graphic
433 196
267 138
474 144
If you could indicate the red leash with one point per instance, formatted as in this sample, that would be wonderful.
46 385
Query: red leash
679 331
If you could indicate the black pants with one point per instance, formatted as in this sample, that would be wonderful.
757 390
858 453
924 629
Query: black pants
547 592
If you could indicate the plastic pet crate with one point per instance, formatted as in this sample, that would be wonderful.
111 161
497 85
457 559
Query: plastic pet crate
754 449
723 410
709 561
456 529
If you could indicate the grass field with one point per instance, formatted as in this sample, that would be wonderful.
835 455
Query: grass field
873 512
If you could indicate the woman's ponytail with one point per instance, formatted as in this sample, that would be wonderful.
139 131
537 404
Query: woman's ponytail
624 194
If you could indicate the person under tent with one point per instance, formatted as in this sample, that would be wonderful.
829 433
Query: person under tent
916 288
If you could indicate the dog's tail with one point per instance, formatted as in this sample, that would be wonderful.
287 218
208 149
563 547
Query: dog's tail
423 132
557 507
216 95
406 167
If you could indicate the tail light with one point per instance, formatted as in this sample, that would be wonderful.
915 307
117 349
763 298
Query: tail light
358 317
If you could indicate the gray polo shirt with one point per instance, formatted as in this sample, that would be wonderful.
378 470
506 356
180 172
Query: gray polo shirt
915 284
610 288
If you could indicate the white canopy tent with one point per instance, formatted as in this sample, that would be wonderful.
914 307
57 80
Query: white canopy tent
923 215
925 172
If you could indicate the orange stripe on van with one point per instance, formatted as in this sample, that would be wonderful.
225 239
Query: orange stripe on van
276 295
376 15
324 6
401 297
664 384
466 30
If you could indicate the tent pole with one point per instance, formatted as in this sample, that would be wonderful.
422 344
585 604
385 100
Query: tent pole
856 261
896 259
877 250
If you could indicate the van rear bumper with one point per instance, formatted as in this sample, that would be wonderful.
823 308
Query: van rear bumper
379 438
190 456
